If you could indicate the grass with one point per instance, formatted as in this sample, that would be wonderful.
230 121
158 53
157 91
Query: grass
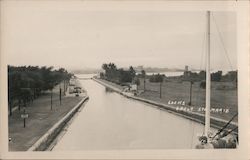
223 96
41 119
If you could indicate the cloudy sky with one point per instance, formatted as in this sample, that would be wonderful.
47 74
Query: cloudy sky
73 37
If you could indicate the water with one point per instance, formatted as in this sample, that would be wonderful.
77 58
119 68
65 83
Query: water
111 121
168 74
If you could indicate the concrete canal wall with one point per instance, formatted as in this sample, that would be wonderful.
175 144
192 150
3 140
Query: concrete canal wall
52 133
198 117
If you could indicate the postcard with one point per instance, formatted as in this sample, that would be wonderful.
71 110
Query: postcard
124 79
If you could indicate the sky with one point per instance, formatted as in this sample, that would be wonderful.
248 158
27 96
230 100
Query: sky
74 37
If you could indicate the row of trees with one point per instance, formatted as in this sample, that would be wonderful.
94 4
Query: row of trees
117 75
156 78
217 76
26 83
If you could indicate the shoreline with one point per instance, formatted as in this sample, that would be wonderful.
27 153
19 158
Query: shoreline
194 116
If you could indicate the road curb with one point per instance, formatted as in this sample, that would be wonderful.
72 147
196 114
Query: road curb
43 142
197 117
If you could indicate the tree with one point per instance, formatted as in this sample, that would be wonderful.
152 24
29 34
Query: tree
113 74
156 78
216 76
105 68
132 71
124 76
230 76
202 75
26 82
110 71
143 73
102 75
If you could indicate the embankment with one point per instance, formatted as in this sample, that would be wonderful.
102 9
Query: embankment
198 117
51 134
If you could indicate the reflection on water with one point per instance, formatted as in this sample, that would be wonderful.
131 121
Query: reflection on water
111 121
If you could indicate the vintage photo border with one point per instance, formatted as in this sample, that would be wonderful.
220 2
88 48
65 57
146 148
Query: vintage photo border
241 7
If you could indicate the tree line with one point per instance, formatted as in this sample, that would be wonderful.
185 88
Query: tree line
117 75
26 83
122 76
216 76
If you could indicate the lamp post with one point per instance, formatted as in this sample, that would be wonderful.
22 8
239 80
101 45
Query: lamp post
64 87
24 119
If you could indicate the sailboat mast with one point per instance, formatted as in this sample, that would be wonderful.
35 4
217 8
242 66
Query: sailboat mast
208 78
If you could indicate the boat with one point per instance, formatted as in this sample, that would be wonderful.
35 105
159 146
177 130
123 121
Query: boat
223 138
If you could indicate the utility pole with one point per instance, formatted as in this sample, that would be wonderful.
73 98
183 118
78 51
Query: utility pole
160 88
60 96
144 84
64 87
190 93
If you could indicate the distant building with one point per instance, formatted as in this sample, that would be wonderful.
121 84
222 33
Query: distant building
186 68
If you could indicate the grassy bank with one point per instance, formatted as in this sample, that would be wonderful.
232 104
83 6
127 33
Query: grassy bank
223 96
216 122
41 119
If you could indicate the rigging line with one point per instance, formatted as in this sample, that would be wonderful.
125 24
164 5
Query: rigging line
225 126
232 130
222 42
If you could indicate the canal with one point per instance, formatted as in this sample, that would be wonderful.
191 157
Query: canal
110 121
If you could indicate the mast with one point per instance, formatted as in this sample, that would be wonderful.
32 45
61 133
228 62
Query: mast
208 78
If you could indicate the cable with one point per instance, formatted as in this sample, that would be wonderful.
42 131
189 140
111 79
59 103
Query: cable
225 126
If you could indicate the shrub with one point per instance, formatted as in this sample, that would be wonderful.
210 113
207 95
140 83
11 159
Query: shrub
156 78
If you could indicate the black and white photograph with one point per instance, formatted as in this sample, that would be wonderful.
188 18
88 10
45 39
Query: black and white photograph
94 77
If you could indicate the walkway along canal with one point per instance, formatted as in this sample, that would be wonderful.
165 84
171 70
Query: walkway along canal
112 121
